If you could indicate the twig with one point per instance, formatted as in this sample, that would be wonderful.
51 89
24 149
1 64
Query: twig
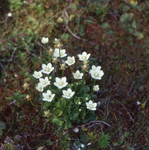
96 122
140 147
3 69
107 104
107 3
14 102
35 55
41 45
77 140
130 88
126 110
11 56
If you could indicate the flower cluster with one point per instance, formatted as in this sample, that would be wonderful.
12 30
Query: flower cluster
66 98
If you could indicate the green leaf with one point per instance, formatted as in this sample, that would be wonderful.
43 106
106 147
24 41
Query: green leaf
134 25
83 113
84 90
105 25
62 102
66 112
46 104
68 125
11 98
17 103
76 100
2 125
65 36
85 120
27 79
74 115
1 132
104 140
57 121
57 112
148 136
81 30
84 137
21 96
88 21
115 144
126 134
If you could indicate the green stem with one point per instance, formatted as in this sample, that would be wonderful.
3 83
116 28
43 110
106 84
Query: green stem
62 72
31 98
83 76
93 86
83 79
60 56
16 18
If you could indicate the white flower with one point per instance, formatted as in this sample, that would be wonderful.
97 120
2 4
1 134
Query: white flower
79 149
96 88
47 69
9 14
95 68
68 94
60 82
37 74
138 103
57 40
90 105
15 75
59 53
44 40
48 96
44 81
70 60
89 144
96 73
98 103
39 87
76 130
78 75
27 97
84 56
82 145
80 109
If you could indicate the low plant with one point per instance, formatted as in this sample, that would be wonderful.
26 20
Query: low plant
67 100
104 140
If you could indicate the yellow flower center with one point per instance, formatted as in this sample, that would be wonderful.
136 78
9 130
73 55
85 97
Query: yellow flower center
60 83
68 94
96 74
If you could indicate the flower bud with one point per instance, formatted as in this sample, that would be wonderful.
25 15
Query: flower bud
46 114
79 103
85 67
63 67
85 62
55 60
28 97
51 51
60 20
25 86
76 130
59 45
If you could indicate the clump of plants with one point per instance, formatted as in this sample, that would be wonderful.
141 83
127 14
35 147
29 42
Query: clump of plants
66 97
